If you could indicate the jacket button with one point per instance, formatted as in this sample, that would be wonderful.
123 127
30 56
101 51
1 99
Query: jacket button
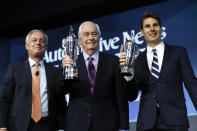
89 115
154 97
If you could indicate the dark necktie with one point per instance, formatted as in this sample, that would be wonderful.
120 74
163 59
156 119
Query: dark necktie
155 66
91 73
36 100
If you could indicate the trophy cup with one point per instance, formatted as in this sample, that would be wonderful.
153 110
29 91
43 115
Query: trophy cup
70 44
131 50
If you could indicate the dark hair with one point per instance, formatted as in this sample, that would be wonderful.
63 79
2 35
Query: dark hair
149 14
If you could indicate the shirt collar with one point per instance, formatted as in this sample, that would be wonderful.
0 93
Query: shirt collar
32 62
158 47
95 55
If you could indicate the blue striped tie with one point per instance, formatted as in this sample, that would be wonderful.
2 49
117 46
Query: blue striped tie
155 65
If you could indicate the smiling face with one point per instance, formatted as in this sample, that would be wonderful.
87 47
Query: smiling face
151 31
36 45
89 38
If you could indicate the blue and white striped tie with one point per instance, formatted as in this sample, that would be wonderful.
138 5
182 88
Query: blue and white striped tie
155 65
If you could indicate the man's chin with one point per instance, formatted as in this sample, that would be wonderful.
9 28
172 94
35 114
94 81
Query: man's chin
93 48
39 54
154 41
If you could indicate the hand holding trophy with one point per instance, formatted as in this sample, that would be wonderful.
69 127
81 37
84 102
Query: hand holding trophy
70 44
129 52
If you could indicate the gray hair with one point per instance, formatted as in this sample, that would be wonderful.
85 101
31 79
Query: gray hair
36 30
97 26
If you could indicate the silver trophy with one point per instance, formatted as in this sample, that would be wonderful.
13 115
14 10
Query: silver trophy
131 50
71 46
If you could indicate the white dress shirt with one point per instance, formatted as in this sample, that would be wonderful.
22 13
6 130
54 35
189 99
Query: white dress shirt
160 53
95 61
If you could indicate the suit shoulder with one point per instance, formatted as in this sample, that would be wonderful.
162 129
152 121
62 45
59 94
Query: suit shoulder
176 47
52 67
109 56
49 65
16 64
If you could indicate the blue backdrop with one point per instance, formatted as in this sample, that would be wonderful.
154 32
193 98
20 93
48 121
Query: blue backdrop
179 24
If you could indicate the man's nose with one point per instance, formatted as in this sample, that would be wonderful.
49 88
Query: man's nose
152 28
90 37
38 42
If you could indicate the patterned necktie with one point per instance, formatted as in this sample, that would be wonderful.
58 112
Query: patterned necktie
155 65
36 100
91 73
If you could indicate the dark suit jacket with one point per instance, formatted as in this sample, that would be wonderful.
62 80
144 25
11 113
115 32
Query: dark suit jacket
16 97
104 110
168 90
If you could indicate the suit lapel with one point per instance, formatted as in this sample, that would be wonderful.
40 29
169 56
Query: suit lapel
83 73
28 74
101 69
49 79
165 60
143 61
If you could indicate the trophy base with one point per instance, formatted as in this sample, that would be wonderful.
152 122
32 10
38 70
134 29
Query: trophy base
70 73
126 74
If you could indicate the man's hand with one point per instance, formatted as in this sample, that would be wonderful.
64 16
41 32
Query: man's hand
3 130
122 59
67 61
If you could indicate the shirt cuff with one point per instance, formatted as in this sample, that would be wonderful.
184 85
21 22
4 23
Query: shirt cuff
3 128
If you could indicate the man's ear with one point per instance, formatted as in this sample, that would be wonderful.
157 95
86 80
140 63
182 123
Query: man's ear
142 33
26 46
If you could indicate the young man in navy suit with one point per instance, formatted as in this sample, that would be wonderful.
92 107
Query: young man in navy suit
17 94
159 73
97 104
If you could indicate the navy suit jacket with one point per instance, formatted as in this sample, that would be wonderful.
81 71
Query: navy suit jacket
167 91
104 110
16 97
